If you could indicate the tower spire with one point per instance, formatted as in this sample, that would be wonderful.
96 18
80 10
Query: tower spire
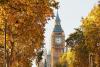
57 19
57 27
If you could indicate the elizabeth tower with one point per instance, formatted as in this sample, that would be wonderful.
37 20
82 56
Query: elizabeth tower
57 42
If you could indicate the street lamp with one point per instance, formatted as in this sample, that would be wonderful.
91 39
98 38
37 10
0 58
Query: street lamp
97 56
91 59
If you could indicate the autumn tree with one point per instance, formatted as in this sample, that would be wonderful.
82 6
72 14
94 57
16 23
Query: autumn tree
91 29
76 41
25 21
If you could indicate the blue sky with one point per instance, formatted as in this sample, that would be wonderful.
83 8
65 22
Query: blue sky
70 12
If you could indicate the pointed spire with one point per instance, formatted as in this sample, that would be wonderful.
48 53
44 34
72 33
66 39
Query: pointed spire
57 19
57 27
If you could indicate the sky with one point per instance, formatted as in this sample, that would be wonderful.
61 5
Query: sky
70 12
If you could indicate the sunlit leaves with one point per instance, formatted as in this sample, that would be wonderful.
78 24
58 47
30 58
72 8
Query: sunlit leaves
25 27
91 27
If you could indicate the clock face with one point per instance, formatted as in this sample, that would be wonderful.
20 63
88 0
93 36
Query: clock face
58 40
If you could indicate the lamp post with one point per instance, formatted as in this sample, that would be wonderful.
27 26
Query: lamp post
90 59
97 56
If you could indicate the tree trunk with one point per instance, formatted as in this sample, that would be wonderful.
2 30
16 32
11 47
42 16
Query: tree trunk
10 56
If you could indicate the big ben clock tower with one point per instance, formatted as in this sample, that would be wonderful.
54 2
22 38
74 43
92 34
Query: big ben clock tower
57 42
